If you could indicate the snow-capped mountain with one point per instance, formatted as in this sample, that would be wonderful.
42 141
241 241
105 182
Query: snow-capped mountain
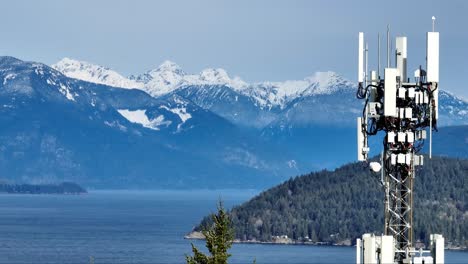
453 110
169 77
205 130
94 73
57 128
279 94
162 80
323 97
157 82
254 105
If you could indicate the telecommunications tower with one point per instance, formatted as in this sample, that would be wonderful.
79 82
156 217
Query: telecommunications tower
403 109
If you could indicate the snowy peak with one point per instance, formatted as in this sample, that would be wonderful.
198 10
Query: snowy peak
169 77
166 70
279 94
169 66
326 78
94 73
162 80
327 83
219 77
214 76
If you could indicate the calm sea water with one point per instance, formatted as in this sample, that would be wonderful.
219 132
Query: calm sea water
133 227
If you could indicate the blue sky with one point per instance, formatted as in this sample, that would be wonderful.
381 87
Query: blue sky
256 40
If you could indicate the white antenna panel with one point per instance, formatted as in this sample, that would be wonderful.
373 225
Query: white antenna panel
390 92
401 49
361 72
432 57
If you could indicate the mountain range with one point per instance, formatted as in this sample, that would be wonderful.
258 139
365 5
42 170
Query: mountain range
261 105
77 121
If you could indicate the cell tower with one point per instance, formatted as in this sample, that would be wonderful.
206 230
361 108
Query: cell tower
403 110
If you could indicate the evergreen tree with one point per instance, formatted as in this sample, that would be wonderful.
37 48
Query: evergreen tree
218 237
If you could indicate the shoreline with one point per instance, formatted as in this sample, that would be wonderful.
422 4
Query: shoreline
195 235
64 188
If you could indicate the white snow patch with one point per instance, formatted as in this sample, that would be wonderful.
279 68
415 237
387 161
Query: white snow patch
180 111
38 68
116 124
292 164
139 117
9 76
65 90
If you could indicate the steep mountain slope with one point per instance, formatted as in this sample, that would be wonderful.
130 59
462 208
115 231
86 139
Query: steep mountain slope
453 110
240 109
56 128
339 206
190 128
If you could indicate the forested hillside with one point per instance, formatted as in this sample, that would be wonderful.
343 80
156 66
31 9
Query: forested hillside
339 206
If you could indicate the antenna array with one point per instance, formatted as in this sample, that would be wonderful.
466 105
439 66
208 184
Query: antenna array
403 110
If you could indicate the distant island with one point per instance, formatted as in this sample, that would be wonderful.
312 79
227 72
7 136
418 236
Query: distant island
62 188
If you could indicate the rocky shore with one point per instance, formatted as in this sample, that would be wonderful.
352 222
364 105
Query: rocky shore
284 240
281 240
